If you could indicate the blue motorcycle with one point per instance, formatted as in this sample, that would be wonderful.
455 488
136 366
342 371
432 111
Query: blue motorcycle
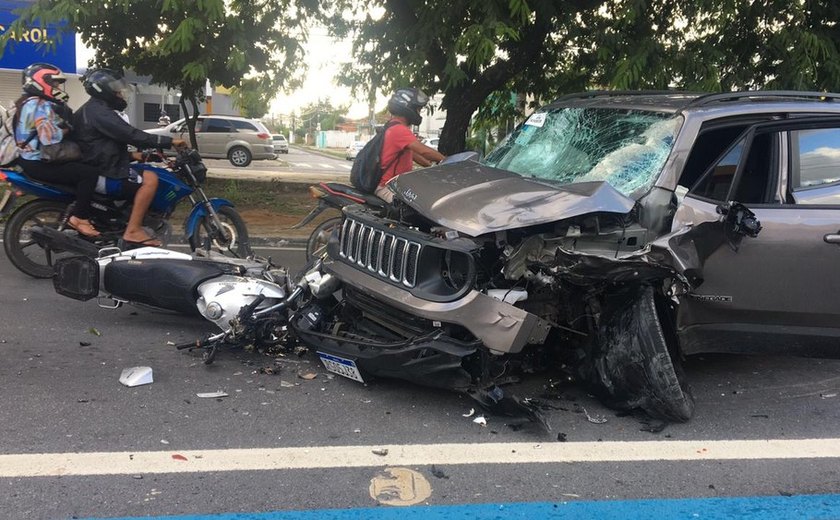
36 233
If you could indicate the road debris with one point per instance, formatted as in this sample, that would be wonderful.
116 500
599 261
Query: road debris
438 473
94 331
178 456
307 375
480 420
211 395
561 437
827 396
470 414
286 384
381 452
136 376
594 418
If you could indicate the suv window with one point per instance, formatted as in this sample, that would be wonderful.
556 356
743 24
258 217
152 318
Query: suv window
212 124
243 125
755 174
815 157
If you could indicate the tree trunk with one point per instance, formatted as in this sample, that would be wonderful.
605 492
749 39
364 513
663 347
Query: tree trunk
453 136
190 119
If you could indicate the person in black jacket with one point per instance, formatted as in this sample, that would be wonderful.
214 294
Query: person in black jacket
104 137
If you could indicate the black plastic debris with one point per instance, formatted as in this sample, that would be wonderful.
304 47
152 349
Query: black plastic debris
438 473
495 401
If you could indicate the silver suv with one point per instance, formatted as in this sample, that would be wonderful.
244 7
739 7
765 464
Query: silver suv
611 232
238 139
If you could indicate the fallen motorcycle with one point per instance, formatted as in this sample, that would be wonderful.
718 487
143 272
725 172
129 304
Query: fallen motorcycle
37 232
247 299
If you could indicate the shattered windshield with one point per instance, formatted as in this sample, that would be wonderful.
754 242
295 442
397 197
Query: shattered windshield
626 148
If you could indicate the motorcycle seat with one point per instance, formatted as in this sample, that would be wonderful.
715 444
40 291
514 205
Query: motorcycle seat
369 199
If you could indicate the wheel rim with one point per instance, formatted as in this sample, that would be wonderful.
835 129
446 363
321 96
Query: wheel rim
239 157
231 236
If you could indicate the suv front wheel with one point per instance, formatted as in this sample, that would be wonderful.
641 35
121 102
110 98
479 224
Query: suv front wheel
239 156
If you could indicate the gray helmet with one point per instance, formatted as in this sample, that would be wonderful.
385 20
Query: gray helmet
407 102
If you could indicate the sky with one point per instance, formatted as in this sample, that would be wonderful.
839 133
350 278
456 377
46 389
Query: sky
324 56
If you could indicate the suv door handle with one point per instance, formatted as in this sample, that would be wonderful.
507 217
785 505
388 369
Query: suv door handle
832 238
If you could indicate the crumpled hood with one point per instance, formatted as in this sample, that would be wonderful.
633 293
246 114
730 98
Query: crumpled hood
475 199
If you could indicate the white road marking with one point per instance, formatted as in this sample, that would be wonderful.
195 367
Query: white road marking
326 166
346 166
200 461
305 165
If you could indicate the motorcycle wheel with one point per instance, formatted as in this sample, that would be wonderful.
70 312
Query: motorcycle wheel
317 243
235 239
21 249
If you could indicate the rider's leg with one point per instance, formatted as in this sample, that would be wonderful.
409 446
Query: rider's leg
78 175
134 231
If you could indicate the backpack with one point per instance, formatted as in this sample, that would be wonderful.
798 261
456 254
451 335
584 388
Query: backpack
367 170
9 149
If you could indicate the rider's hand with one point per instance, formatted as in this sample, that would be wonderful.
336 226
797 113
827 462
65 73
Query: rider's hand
179 144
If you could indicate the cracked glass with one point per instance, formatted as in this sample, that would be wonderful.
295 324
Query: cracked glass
626 148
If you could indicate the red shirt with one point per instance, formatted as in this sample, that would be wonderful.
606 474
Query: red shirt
396 158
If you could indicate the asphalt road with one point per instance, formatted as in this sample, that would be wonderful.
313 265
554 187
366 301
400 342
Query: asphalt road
61 396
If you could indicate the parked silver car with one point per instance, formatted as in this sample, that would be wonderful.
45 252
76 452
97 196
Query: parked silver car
281 145
353 150
238 139
610 232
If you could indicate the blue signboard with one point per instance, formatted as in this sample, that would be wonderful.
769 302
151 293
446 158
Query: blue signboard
29 46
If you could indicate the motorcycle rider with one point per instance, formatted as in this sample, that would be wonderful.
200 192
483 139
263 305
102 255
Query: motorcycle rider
42 118
400 146
104 138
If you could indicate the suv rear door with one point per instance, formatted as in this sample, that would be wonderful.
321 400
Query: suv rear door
214 136
777 291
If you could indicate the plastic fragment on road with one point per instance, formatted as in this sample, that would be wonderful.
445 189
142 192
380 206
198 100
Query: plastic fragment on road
594 418
94 331
381 452
178 456
480 420
307 375
438 473
211 395
469 414
136 376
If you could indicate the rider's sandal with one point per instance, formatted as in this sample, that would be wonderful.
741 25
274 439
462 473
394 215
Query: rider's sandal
83 227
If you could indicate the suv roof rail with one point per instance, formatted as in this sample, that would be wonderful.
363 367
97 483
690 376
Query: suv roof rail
760 94
615 93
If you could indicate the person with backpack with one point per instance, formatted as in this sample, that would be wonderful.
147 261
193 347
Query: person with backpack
104 137
400 147
42 118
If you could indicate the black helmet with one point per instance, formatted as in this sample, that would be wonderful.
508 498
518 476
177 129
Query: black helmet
46 81
407 102
107 85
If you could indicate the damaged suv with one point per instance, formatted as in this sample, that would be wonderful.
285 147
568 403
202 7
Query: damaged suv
612 232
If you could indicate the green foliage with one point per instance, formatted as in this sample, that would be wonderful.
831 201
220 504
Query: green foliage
474 51
252 98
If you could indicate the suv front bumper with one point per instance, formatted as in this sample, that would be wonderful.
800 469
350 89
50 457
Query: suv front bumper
503 328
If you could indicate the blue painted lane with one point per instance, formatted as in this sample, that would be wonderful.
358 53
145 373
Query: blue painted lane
815 507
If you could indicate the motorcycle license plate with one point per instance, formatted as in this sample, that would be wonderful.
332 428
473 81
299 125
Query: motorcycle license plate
341 366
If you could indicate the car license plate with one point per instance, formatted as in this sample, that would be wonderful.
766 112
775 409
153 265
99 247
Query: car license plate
341 366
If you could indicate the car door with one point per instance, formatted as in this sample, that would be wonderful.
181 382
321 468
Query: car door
777 291
214 136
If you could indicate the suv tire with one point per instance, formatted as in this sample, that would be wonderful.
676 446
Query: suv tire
239 156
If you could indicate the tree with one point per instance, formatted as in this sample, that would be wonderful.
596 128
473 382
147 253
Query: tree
322 114
466 49
183 43
478 50
252 98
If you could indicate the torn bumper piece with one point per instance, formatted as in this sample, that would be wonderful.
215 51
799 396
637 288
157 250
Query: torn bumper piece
433 360
502 327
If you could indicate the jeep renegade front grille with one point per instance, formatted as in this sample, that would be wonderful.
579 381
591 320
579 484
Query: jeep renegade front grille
381 253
